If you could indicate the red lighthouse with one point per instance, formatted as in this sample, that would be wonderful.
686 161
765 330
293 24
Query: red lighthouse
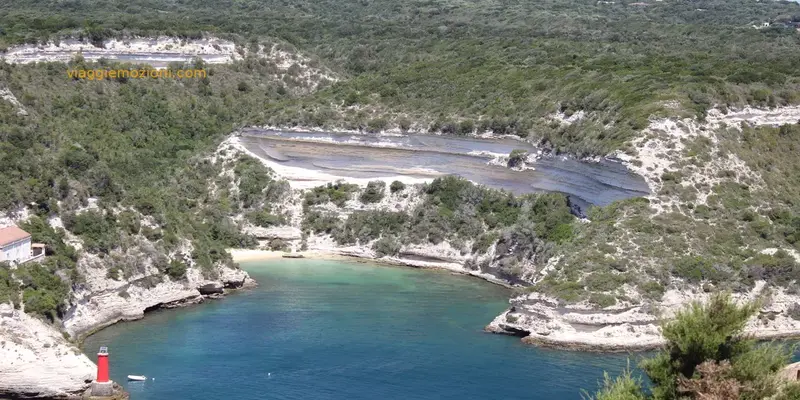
102 365
102 386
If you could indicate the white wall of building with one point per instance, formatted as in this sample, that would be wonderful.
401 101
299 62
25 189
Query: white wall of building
16 252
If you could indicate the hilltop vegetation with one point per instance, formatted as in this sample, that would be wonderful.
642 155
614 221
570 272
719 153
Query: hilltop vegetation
461 67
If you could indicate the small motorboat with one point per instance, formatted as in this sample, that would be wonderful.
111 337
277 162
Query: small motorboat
137 378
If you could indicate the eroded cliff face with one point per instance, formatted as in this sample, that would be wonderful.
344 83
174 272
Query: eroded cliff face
540 319
36 361
103 301
545 321
160 51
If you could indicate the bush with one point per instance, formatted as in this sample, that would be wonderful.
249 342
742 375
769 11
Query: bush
652 290
265 219
9 287
338 193
695 269
42 302
386 246
152 234
365 226
254 179
602 300
466 127
779 268
129 222
98 232
278 244
517 157
603 281
113 272
318 222
624 387
484 241
794 311
377 125
397 186
374 192
707 355
176 270
44 292
671 176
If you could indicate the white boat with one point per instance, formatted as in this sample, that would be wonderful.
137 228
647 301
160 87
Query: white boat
137 378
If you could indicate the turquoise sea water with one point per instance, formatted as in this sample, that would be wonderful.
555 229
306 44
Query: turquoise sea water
343 330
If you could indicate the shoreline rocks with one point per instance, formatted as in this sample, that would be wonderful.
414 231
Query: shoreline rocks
93 309
37 362
541 320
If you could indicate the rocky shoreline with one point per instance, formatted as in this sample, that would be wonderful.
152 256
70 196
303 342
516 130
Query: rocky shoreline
102 301
38 360
544 321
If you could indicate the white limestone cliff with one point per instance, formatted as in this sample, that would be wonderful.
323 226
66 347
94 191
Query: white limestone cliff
103 301
541 320
36 360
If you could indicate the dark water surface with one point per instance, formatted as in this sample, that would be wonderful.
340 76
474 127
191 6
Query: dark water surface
428 156
342 330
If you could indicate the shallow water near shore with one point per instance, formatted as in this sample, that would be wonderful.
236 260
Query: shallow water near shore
343 330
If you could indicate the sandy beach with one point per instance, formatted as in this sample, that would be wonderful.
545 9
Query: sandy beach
247 255
244 255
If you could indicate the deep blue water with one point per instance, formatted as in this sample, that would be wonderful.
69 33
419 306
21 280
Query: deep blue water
343 330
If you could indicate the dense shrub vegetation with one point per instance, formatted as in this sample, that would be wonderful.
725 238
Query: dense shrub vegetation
105 156
9 288
733 239
374 192
44 292
454 210
256 186
494 67
337 193
707 356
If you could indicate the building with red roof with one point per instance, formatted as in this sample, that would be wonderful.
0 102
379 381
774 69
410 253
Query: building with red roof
16 246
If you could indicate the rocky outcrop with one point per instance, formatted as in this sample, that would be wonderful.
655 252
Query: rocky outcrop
103 301
159 51
275 232
211 289
8 96
542 320
36 361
